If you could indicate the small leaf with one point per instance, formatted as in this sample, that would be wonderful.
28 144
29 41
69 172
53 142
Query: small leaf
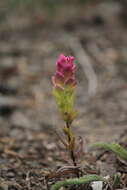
116 181
116 148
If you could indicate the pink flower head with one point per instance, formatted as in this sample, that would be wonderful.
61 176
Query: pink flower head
65 72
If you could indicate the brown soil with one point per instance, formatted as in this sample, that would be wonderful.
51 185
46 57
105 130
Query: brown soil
29 47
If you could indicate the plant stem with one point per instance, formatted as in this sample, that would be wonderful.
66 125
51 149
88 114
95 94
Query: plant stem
73 158
71 149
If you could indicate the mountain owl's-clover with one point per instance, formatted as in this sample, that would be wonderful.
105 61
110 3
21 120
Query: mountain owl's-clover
64 83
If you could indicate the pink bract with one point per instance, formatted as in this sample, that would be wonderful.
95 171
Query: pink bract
65 72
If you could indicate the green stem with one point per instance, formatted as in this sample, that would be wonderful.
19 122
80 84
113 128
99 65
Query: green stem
76 181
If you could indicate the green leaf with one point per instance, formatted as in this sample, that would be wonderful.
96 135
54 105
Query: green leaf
77 181
116 148
116 181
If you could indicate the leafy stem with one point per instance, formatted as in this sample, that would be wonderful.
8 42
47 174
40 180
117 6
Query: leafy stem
77 181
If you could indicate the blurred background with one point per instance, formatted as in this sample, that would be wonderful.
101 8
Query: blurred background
33 34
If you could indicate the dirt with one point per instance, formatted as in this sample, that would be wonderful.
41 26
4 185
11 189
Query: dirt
29 47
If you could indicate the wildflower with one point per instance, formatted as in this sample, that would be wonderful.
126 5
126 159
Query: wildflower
64 83
65 73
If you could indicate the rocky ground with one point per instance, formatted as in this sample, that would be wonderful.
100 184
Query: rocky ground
95 34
